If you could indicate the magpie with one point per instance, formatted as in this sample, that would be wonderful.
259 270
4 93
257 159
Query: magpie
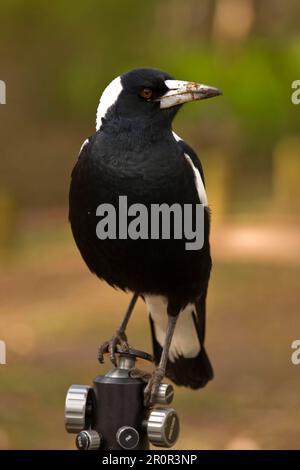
135 152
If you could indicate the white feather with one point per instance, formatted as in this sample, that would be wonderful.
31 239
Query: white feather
185 341
176 137
108 98
198 180
83 145
199 183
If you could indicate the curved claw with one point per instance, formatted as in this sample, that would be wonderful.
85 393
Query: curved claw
102 350
151 388
118 339
112 350
140 374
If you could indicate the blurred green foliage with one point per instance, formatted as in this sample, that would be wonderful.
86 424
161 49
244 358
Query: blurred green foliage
57 58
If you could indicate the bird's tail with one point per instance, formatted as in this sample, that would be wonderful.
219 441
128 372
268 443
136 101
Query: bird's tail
188 363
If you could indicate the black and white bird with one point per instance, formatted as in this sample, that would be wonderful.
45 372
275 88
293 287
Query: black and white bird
135 152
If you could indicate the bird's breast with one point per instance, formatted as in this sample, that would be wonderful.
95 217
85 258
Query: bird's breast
149 171
156 174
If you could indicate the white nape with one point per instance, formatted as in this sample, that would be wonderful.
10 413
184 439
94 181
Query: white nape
108 98
185 341
199 183
83 145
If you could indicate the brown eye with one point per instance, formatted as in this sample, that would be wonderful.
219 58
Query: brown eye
146 93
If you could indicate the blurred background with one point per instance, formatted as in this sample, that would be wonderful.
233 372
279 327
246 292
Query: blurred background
56 58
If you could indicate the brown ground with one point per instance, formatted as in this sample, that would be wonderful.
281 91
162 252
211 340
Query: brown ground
54 314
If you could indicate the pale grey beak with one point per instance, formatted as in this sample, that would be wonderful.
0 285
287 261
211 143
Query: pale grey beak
182 92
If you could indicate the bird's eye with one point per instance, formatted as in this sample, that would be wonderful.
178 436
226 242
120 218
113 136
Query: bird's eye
146 93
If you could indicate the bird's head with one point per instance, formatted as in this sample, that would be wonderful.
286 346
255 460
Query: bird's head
148 94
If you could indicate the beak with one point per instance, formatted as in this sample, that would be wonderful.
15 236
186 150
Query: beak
182 92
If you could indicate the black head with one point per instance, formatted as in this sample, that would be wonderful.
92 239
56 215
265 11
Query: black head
142 89
148 95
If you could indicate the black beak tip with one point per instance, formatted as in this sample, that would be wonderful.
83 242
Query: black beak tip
216 92
212 92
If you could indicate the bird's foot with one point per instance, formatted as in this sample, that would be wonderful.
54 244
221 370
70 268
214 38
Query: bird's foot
111 347
152 386
140 374
153 382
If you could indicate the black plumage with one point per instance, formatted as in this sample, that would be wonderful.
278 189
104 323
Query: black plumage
135 153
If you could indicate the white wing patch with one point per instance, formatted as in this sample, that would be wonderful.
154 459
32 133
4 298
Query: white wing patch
185 341
83 145
198 180
199 183
176 137
108 98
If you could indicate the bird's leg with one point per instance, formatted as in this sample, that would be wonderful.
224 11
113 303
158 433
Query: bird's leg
159 373
119 338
